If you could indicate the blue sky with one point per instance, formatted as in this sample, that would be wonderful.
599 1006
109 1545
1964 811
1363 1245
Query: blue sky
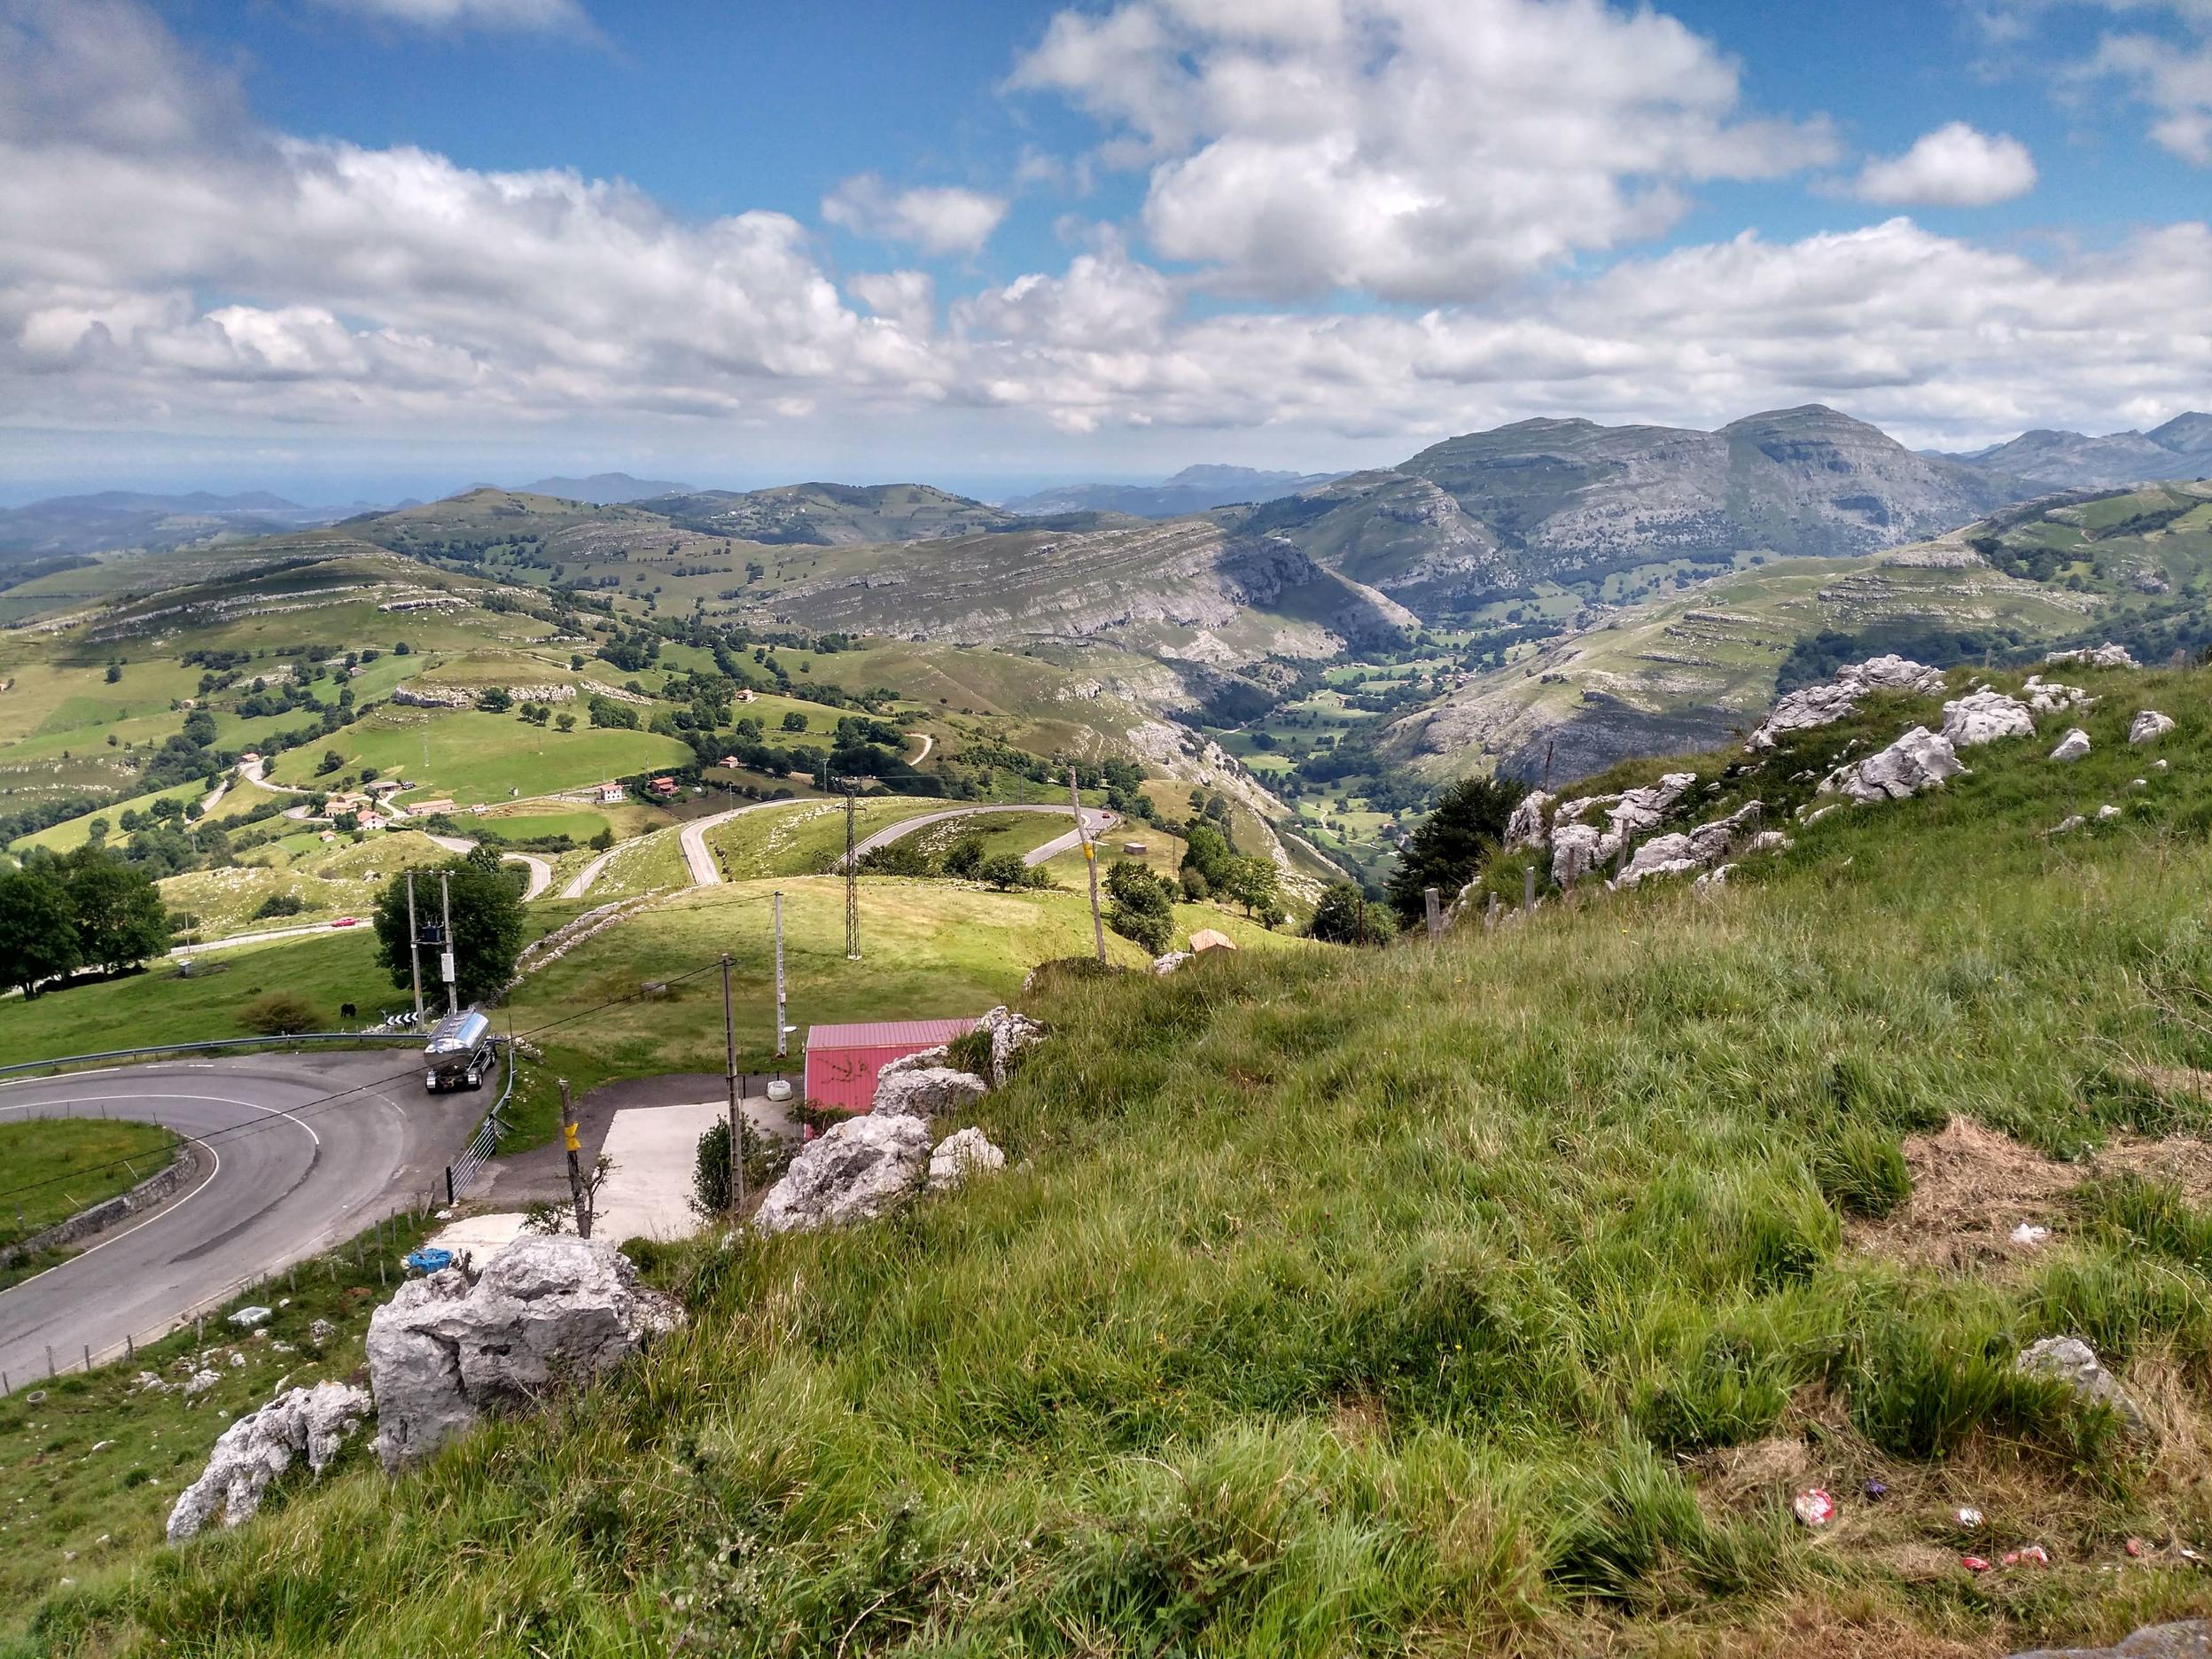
363 247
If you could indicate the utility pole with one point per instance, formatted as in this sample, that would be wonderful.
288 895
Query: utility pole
1090 859
779 1049
414 949
736 1114
852 875
445 943
569 1139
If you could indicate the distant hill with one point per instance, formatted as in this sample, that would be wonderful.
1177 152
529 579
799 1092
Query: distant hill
116 520
1572 501
1193 489
604 488
2181 449
831 514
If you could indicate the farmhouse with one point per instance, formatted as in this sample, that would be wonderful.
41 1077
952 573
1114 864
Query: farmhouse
842 1061
663 787
612 794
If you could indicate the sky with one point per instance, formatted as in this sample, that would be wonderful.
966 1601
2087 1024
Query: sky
353 250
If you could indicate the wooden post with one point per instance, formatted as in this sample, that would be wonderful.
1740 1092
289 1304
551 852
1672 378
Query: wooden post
1528 890
1490 915
1090 858
575 1144
1432 901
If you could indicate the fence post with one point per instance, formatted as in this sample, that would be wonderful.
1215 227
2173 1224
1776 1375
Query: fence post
1490 915
49 1359
1528 890
1433 901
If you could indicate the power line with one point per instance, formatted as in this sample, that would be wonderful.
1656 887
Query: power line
324 1102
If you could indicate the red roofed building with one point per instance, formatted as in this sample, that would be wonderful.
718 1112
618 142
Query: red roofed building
842 1061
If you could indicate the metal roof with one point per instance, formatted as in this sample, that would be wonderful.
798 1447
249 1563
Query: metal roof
882 1033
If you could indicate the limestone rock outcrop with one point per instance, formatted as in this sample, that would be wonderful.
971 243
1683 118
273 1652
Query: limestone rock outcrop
855 1171
1169 962
2048 698
306 1422
961 1156
2073 746
1010 1033
924 1091
1985 716
1578 848
1678 854
1919 761
2148 726
545 1312
1527 827
2106 656
2188 1638
1810 706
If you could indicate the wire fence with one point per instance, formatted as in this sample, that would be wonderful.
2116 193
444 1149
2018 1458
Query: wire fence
461 1173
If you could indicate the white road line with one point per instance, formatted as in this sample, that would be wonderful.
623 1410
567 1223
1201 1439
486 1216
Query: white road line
219 1100
161 1214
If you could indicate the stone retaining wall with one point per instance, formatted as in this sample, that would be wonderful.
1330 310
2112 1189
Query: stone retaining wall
152 1190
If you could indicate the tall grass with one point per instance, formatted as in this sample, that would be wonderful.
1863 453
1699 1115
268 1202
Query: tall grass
1337 1303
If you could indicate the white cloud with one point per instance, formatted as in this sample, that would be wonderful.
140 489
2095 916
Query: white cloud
167 267
566 16
938 218
1418 150
1956 165
2169 72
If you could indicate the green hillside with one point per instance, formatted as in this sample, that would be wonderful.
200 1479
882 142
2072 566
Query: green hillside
1489 1298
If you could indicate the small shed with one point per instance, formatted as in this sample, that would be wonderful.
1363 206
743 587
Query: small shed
842 1061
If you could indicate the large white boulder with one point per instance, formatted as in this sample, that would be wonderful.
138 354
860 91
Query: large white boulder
1677 854
1010 1033
2148 726
306 1422
1578 848
922 1060
2070 1360
924 1092
1810 706
1526 827
961 1154
855 1172
1574 852
546 1311
1920 759
1985 716
2073 746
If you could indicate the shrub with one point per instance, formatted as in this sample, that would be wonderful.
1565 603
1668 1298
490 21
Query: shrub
283 904
281 1014
765 1160
1007 872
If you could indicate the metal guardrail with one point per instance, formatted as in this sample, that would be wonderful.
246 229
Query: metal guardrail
462 1172
211 1043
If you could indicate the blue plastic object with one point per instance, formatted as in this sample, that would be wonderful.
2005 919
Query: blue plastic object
429 1260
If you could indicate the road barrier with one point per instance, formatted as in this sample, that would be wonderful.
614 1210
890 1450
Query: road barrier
209 1046
461 1172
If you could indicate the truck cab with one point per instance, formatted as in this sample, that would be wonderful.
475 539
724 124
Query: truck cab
459 1053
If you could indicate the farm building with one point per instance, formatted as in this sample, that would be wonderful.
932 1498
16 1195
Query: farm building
842 1061
663 788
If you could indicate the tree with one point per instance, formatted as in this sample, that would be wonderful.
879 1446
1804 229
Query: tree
1454 842
119 918
795 721
114 673
487 922
38 929
330 762
1005 871
1208 852
566 722
1255 883
495 700
1143 907
1345 917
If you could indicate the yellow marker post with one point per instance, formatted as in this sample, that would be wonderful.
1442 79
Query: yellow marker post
569 1139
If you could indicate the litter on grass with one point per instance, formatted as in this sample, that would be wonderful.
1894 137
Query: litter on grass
1814 1506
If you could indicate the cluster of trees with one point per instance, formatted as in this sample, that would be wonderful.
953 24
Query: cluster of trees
1213 869
89 909
964 860
1454 843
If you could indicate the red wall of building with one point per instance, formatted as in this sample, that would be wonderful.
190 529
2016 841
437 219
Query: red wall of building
846 1078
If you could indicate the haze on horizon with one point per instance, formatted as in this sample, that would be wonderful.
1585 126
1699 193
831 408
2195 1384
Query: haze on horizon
358 249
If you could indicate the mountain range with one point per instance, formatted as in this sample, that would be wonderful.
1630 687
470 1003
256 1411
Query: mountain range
130 519
605 489
1192 490
2180 448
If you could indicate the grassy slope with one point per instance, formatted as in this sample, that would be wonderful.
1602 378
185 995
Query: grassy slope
36 1153
1390 1302
158 1006
474 757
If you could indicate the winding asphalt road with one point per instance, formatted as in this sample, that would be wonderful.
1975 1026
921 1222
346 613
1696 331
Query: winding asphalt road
307 1150
1095 819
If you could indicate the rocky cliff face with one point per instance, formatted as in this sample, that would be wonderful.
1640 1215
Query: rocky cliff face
1570 501
2181 449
